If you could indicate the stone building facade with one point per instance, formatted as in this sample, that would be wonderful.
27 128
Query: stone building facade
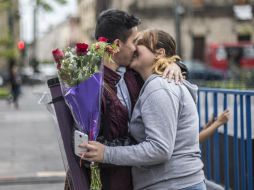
202 21
88 11
67 33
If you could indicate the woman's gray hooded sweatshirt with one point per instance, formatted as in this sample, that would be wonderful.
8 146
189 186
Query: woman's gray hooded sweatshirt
165 124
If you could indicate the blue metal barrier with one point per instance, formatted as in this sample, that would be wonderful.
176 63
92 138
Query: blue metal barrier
226 163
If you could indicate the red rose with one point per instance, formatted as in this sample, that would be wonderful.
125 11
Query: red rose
58 55
102 39
81 48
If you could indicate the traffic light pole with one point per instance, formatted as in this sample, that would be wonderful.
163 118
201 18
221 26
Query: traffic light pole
34 58
178 11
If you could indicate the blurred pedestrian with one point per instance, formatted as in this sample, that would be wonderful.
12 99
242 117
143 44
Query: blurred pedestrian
15 83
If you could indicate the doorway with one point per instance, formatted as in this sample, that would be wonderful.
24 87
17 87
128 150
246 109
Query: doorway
198 48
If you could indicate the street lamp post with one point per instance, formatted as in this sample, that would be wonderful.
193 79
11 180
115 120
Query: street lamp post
34 58
178 12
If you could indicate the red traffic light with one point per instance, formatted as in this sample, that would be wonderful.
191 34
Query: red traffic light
21 45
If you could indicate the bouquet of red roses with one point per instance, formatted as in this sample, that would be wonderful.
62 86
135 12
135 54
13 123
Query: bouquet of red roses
81 78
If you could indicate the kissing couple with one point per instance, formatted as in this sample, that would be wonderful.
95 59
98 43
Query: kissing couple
149 125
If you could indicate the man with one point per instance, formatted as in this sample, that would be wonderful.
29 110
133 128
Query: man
121 90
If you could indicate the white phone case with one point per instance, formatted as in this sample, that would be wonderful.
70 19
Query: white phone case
79 138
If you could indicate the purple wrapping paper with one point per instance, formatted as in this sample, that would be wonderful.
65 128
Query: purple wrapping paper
84 102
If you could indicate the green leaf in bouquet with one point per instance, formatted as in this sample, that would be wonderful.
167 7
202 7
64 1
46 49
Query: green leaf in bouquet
95 177
65 63
65 76
71 67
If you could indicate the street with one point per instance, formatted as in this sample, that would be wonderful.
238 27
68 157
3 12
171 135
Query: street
30 157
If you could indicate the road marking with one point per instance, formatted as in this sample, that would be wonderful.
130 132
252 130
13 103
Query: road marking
51 174
43 177
25 116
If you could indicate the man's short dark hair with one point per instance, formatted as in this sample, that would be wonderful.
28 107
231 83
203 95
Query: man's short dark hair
115 24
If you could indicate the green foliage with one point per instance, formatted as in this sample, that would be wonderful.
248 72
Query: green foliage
227 84
8 53
61 1
46 6
4 5
95 177
6 41
7 47
4 92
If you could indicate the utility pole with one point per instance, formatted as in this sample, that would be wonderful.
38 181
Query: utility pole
34 58
44 5
11 45
178 12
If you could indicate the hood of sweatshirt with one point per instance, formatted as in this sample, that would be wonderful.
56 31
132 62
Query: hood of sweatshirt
192 88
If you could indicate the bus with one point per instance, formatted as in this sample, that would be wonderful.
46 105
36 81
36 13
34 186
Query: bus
227 55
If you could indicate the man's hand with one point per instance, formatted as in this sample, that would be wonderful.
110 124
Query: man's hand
94 153
173 72
223 117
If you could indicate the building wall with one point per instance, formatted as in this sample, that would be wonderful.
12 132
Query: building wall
87 15
212 29
67 33
212 19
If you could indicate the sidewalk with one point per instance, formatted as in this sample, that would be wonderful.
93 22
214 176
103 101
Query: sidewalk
29 153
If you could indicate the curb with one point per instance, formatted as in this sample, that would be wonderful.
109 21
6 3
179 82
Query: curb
39 178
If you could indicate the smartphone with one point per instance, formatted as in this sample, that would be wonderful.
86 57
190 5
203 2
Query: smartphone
79 138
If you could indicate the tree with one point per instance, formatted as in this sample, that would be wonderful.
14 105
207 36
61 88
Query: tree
46 6
7 38
4 4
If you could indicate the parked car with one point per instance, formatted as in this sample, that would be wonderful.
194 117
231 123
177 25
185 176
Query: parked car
3 78
48 70
197 70
45 72
29 77
1 81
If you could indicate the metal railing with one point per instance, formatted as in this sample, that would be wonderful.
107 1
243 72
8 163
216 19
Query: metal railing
228 154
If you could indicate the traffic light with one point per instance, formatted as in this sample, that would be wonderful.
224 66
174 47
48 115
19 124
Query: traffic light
22 48
21 45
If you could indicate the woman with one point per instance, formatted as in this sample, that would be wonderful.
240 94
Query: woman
164 123
15 81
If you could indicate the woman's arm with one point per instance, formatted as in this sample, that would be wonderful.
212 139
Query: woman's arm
159 115
210 129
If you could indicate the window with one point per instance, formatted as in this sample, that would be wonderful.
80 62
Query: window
198 48
244 37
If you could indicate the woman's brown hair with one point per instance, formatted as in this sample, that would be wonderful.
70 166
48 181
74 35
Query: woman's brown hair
155 39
